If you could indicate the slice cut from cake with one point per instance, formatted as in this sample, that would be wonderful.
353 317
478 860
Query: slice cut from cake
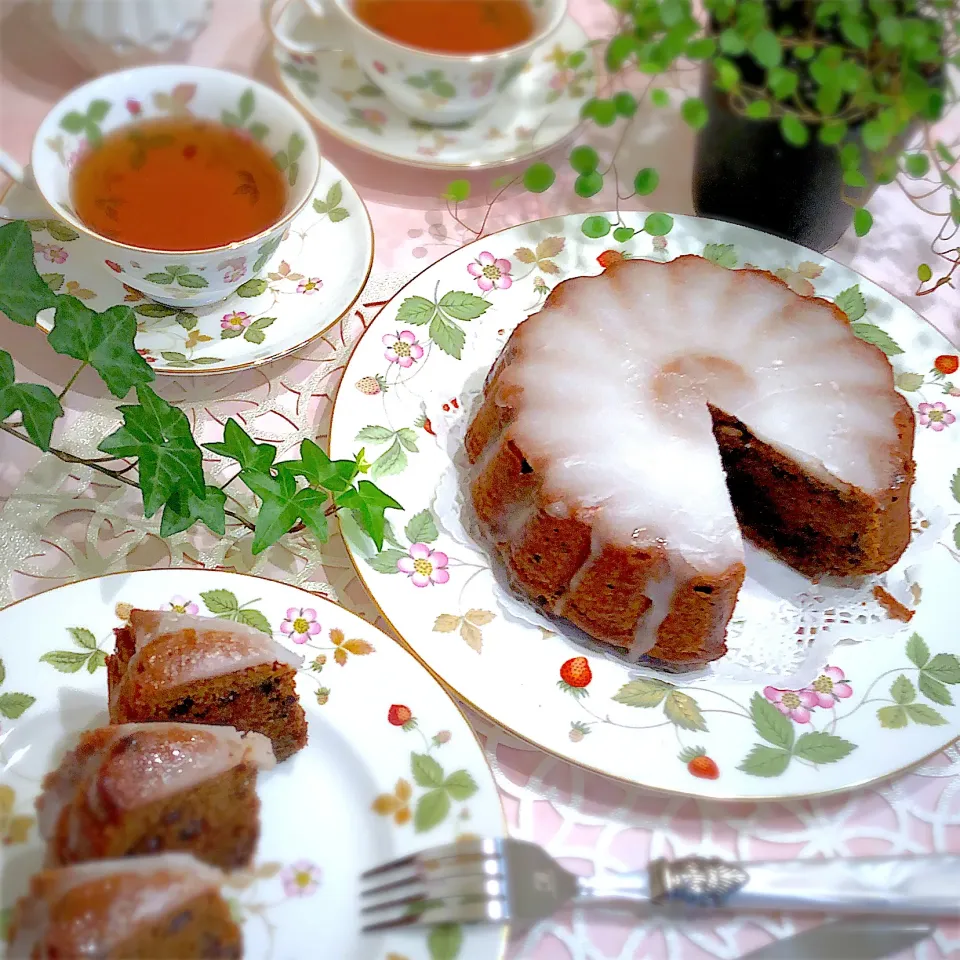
166 907
145 788
178 667
645 420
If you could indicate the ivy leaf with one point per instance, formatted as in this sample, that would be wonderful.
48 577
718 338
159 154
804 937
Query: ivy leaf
432 809
944 667
426 771
934 690
917 650
922 714
283 505
159 435
38 404
65 661
368 504
238 445
421 528
892 718
871 333
643 692
386 561
449 337
460 785
770 723
23 292
902 690
392 461
415 310
320 471
722 254
185 508
464 306
104 340
220 602
682 709
821 747
764 761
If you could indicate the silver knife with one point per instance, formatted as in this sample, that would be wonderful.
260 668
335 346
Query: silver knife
846 939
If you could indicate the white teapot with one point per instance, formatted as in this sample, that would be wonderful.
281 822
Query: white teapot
106 35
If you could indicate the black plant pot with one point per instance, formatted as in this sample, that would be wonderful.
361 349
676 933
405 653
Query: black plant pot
745 172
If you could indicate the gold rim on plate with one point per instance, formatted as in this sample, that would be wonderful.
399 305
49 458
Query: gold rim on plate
736 798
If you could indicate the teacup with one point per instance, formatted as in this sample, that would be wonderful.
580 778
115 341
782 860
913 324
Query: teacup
130 96
437 88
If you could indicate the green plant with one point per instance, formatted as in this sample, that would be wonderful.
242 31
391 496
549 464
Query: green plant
819 68
154 449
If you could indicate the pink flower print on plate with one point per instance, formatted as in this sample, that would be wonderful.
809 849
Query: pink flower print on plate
795 704
134 107
402 348
935 416
238 320
180 604
300 624
301 879
312 285
830 687
424 566
490 272
51 252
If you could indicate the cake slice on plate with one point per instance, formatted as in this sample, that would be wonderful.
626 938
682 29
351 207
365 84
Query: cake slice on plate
146 788
167 907
188 669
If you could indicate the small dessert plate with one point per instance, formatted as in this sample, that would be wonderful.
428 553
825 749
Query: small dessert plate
540 108
312 280
391 765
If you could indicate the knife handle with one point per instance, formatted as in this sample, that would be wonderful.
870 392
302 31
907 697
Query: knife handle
922 886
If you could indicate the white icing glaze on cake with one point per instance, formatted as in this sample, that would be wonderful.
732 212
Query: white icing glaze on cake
616 376
124 895
127 765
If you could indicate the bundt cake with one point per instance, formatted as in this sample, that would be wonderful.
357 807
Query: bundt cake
145 788
167 907
189 669
644 421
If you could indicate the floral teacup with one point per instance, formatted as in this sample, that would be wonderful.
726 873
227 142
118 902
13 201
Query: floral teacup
78 122
437 88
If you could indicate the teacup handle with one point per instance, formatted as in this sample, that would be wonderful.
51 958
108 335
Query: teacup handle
272 13
23 177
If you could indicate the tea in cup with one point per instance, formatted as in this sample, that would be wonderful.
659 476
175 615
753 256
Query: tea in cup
186 177
439 61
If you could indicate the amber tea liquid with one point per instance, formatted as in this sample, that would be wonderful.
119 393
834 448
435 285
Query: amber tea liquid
450 26
178 184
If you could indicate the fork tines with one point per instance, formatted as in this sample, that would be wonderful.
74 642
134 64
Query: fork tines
463 882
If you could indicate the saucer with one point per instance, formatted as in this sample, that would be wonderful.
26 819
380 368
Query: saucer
541 107
310 282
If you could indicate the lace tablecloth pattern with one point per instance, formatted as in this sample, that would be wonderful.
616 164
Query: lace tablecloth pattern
60 522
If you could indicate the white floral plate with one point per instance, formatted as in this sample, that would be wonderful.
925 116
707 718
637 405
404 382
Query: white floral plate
391 765
541 108
878 695
310 282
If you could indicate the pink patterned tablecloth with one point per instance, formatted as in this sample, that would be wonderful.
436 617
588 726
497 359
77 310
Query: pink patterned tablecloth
592 823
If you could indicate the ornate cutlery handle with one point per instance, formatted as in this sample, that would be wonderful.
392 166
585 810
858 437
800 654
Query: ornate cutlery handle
923 886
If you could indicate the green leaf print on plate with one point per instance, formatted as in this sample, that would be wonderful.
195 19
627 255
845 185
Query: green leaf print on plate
180 275
442 315
70 661
87 124
330 205
13 705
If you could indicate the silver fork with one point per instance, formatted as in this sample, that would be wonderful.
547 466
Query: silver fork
506 880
